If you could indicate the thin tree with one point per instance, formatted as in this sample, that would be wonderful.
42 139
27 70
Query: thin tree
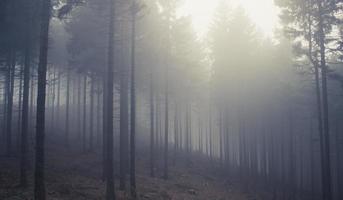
84 113
152 127
78 121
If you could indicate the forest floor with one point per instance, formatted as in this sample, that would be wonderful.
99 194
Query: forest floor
75 176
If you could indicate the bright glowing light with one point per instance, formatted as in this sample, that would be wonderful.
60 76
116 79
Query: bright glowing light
262 12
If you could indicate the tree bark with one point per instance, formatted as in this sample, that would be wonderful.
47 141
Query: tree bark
53 101
58 106
39 186
66 136
25 114
152 127
78 120
133 104
110 194
84 114
91 112
10 93
124 124
327 187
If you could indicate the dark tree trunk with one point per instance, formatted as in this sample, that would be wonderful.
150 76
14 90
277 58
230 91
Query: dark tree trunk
78 120
5 99
152 127
91 112
84 114
39 189
157 129
110 194
338 158
31 108
20 102
124 125
176 130
221 137
319 106
53 101
201 136
180 134
227 137
10 93
312 159
292 157
133 105
210 132
58 106
166 125
98 114
327 187
25 114
187 133
66 136
104 128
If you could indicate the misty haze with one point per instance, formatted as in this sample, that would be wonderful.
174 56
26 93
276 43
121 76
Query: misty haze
171 100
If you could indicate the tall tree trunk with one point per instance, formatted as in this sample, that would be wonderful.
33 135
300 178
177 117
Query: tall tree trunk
53 101
78 120
104 128
84 114
221 137
152 126
227 137
39 191
20 102
180 133
91 117
176 130
157 129
187 133
110 194
292 156
210 131
25 114
327 187
338 158
166 124
10 92
318 102
133 103
66 136
5 99
124 122
201 136
312 159
31 108
98 114
58 106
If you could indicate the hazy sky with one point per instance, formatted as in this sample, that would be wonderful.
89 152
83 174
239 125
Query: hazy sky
262 12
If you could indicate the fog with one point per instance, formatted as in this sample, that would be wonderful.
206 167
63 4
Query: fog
166 99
